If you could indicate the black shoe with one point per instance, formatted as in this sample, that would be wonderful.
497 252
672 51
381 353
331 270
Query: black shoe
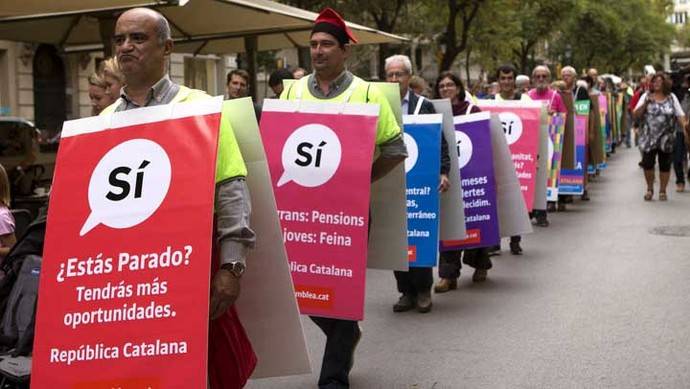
495 250
424 302
585 196
515 248
479 275
542 222
405 303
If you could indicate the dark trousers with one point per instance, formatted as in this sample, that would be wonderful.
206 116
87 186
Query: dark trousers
450 262
341 339
417 279
680 158
516 239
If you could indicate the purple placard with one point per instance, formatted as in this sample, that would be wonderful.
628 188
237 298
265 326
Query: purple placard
475 159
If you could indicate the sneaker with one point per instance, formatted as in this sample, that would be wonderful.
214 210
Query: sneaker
515 248
424 302
479 275
405 303
445 284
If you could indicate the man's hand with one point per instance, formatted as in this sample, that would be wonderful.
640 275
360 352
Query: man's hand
444 184
225 289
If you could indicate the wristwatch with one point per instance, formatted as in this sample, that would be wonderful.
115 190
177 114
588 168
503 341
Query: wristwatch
237 268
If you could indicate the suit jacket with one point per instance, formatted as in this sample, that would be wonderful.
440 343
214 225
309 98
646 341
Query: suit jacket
428 108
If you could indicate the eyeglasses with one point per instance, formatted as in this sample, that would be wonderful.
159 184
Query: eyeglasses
541 76
396 74
449 85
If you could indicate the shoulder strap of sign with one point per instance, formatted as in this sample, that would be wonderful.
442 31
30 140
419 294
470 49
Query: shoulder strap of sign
418 107
469 108
346 97
553 96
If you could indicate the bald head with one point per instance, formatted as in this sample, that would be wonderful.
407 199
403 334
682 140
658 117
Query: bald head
142 43
161 23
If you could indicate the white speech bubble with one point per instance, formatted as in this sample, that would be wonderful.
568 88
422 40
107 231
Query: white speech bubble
311 156
412 152
464 146
551 150
128 185
512 126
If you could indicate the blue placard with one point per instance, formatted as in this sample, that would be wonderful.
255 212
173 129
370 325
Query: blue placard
423 166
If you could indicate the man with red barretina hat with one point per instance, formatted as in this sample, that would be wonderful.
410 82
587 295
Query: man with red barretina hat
332 82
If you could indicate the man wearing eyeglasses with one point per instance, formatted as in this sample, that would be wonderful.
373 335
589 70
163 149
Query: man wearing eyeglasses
415 284
541 78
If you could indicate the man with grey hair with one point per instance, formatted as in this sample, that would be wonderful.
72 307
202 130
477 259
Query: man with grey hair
415 284
522 83
541 75
142 46
569 76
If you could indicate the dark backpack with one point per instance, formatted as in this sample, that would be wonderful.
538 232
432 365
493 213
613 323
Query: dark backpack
19 275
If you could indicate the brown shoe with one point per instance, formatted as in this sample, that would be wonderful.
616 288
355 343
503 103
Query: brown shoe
479 275
445 284
405 303
424 302
680 187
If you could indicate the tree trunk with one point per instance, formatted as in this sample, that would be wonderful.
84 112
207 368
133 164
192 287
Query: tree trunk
467 68
384 52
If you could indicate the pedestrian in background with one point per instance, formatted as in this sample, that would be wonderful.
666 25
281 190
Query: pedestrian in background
7 237
113 77
660 112
680 149
98 96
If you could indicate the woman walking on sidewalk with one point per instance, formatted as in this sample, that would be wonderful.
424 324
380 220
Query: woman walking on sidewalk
658 111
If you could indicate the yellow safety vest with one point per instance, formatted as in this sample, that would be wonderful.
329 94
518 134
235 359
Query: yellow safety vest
230 163
359 91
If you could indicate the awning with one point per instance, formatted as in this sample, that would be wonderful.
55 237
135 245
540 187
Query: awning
199 26
43 7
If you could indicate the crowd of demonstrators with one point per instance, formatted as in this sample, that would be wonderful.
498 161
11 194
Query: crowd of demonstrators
128 82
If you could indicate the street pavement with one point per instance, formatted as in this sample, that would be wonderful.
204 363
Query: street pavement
596 301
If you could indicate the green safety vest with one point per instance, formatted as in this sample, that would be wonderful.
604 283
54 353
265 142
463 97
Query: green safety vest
359 91
229 163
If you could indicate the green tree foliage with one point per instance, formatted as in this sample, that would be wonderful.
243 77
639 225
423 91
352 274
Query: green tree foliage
614 35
